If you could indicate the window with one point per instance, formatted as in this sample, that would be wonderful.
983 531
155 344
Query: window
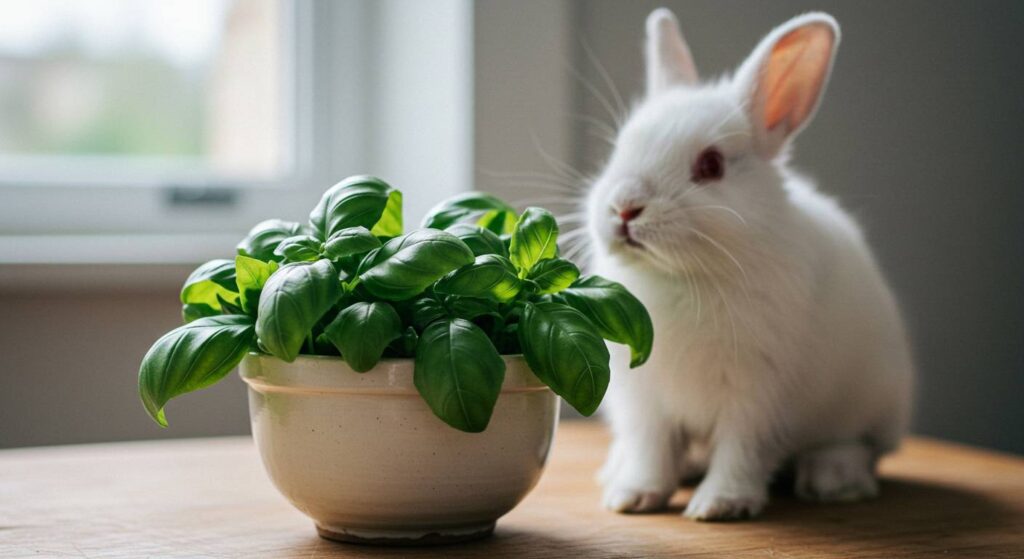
159 131
164 91
148 117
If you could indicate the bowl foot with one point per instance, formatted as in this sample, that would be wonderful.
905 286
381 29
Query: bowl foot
440 536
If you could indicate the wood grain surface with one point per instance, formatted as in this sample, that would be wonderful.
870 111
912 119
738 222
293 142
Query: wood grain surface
210 498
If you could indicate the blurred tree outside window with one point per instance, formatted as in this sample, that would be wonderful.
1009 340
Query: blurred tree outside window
179 84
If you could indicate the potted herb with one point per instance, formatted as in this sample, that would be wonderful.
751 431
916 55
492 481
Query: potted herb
473 320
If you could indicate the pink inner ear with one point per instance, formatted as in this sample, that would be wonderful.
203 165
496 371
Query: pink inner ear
794 74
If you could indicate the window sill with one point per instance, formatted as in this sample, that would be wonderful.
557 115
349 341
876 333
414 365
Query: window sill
98 262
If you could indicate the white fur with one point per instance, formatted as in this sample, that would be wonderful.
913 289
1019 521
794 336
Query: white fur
776 336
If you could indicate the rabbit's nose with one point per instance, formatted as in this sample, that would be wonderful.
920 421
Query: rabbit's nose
629 214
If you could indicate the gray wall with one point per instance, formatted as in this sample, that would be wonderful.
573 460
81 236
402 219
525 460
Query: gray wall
920 135
71 359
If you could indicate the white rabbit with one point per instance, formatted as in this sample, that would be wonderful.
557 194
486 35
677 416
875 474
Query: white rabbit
777 339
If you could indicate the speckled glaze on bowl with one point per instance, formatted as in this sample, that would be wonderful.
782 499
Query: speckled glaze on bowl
365 458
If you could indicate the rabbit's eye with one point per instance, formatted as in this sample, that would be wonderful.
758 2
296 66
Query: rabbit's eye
709 166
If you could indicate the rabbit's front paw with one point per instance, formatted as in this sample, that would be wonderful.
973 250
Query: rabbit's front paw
710 502
638 478
623 499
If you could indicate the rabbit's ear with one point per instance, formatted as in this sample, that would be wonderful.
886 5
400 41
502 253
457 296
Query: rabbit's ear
783 79
668 58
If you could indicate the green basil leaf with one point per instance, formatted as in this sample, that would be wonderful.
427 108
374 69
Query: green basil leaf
191 357
566 352
263 239
252 274
459 373
207 282
350 241
470 307
618 315
390 223
300 248
499 222
425 311
362 331
407 265
195 311
357 201
489 275
293 300
229 307
534 239
469 206
479 240
553 275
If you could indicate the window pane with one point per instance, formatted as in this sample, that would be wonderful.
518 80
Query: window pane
192 85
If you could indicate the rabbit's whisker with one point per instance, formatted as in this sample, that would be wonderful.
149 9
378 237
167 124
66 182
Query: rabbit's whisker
545 186
603 72
570 218
540 177
557 165
597 123
540 201
601 99
724 251
723 208
576 234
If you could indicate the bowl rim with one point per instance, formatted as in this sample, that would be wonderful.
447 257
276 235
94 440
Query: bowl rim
382 360
331 375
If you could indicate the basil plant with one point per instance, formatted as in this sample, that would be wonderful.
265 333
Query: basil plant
476 282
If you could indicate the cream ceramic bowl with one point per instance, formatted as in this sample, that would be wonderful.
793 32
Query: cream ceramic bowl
365 458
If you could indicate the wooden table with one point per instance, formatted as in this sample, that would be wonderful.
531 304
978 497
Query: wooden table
210 498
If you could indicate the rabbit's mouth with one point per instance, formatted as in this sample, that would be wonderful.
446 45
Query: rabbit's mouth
631 242
626 239
626 234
